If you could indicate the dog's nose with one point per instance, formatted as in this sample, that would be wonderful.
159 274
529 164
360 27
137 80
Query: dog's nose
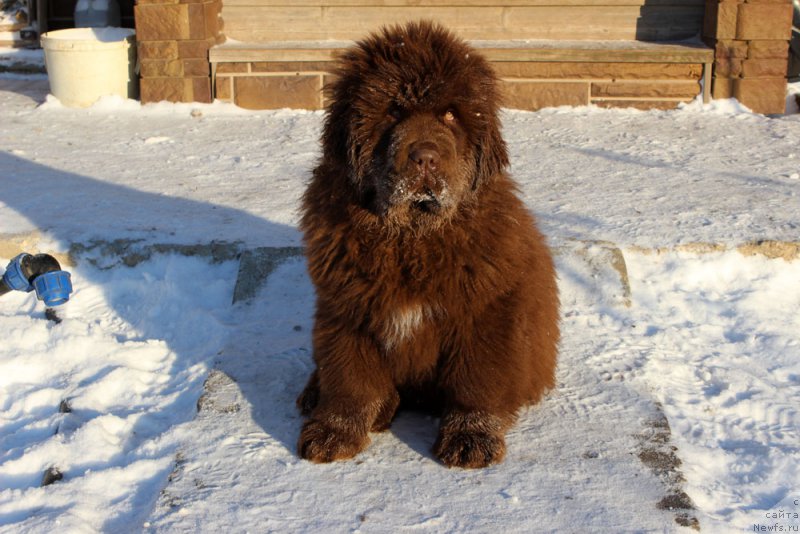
426 158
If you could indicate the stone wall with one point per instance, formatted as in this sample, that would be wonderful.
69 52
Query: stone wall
536 85
259 78
750 38
751 41
273 85
527 86
173 40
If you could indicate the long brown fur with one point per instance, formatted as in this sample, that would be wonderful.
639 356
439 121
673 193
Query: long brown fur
433 284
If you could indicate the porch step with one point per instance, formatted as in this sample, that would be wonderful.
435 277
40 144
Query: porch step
535 73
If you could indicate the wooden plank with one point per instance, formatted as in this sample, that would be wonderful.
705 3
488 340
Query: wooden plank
602 51
309 23
460 3
643 104
471 22
685 89
468 21
496 51
707 82
587 70
241 54
611 22
259 23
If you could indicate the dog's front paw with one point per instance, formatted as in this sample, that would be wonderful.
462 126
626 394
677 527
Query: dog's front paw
470 449
321 442
470 440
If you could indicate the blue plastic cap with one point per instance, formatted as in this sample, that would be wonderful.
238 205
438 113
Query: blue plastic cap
14 278
53 287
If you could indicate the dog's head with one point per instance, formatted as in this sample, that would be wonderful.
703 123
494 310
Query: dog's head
413 117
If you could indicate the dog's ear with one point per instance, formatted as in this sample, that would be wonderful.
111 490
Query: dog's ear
335 134
492 154
341 141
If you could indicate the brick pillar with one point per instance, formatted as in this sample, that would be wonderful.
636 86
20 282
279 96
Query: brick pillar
173 39
751 39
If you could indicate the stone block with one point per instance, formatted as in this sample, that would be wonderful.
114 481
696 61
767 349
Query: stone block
762 95
274 92
213 16
764 21
157 68
727 49
194 49
158 89
764 68
720 20
201 89
777 49
224 88
547 70
161 22
203 19
196 67
643 105
157 50
327 81
292 66
196 14
722 88
728 68
675 89
232 68
531 95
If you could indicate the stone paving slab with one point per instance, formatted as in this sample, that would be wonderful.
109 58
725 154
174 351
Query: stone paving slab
605 260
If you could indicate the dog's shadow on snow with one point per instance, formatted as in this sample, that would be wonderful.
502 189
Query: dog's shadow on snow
269 337
268 352
280 319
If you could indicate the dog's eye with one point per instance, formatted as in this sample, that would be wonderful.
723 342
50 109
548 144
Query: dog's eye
449 117
395 112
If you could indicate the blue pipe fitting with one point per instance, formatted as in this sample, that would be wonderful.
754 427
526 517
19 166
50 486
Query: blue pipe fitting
41 273
53 287
14 277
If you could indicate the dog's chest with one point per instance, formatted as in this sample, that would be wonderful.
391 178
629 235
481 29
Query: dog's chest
410 336
415 281
403 323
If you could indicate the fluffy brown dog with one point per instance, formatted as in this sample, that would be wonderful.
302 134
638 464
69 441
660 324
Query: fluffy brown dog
433 283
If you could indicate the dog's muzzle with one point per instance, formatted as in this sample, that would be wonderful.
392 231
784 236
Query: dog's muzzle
425 188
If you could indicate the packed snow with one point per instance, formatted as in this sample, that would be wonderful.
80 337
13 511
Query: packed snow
679 377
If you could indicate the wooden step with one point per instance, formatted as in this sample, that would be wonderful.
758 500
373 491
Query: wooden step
534 73
494 50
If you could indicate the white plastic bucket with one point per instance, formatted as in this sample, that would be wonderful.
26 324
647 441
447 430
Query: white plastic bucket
84 64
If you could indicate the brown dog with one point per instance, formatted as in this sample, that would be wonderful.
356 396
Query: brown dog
433 283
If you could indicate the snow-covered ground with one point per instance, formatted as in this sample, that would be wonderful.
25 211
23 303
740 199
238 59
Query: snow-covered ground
679 378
